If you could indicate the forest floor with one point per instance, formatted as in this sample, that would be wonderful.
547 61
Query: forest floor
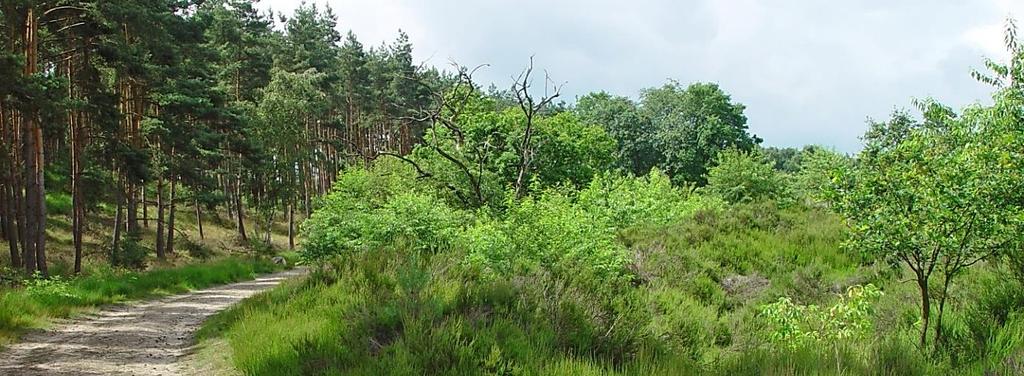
145 338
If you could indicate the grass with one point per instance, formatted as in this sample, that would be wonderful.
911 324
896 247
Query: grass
398 311
374 323
41 301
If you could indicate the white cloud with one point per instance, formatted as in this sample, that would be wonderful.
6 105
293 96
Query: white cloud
808 71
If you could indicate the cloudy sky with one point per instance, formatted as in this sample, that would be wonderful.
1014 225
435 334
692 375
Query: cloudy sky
809 71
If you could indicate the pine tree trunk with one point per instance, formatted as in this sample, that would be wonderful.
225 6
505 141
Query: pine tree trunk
31 194
20 203
77 204
32 142
305 192
145 206
9 185
75 136
132 210
240 209
10 229
199 219
291 226
118 218
41 197
160 251
170 215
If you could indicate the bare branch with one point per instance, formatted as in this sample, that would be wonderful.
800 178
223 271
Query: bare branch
422 173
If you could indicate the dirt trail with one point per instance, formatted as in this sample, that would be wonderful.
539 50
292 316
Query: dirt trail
145 338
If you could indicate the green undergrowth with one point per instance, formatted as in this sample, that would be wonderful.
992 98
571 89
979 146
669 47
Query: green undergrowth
37 301
400 311
628 276
394 312
690 309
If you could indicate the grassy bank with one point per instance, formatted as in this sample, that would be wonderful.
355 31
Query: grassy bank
628 276
695 310
398 311
38 302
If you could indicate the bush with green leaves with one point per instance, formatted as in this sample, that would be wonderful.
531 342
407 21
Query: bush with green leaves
553 232
651 200
377 207
817 169
795 325
570 151
847 323
742 176
49 289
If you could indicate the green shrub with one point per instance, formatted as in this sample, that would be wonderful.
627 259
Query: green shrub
651 200
376 207
414 219
741 176
817 168
848 319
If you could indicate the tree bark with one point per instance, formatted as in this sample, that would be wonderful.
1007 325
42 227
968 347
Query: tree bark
132 210
32 142
77 205
170 215
7 194
41 197
145 206
240 209
291 226
926 309
160 251
199 219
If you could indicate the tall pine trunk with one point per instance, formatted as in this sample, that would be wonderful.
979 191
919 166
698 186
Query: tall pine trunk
199 219
160 218
9 202
170 214
32 141
291 226
145 206
77 205
239 207
115 242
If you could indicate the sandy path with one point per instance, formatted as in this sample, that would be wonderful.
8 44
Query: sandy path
145 338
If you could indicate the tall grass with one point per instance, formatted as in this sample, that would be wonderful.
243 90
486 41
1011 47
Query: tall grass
396 310
39 301
628 276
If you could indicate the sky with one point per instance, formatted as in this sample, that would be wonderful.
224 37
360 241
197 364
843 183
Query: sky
808 71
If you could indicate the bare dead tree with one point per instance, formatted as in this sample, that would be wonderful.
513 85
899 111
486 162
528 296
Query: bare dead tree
443 115
530 107
470 159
